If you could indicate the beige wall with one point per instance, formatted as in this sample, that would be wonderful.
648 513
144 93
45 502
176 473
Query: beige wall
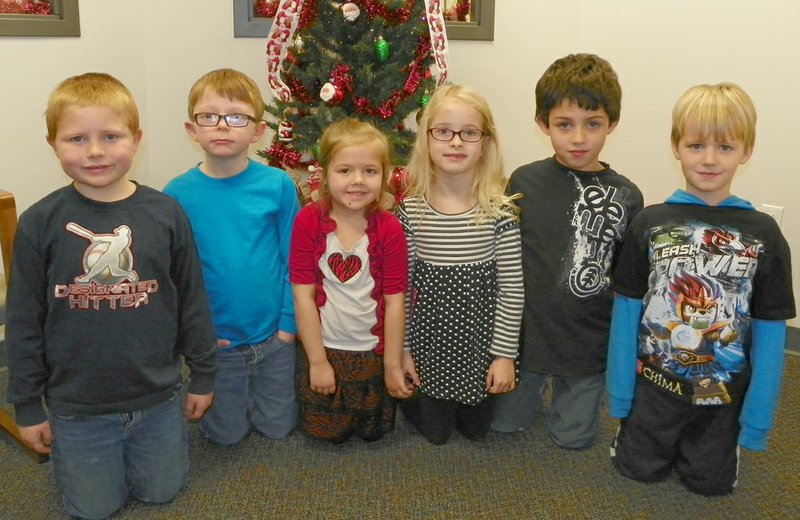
658 49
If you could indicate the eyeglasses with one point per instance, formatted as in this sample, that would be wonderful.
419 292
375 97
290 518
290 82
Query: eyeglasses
468 135
234 120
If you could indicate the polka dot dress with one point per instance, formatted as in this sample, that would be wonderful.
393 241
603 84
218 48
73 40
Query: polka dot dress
451 331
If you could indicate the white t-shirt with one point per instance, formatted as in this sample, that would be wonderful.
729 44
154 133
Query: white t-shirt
349 311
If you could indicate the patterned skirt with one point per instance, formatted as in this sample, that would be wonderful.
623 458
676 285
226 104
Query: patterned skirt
360 405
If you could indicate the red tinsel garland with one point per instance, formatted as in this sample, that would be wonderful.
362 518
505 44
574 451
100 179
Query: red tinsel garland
386 108
397 16
299 91
414 78
307 15
284 155
265 8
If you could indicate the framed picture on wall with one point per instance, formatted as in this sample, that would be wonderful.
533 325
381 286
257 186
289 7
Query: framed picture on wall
39 18
469 19
253 18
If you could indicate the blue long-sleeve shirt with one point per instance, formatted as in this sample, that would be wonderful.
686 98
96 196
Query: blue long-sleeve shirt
242 226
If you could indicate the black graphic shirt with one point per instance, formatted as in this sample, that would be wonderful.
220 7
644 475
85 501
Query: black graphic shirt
703 273
572 228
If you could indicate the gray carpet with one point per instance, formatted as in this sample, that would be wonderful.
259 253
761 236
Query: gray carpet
517 476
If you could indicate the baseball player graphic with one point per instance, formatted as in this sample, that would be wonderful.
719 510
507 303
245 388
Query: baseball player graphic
108 259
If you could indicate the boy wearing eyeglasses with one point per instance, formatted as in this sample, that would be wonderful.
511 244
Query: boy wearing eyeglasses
242 213
575 209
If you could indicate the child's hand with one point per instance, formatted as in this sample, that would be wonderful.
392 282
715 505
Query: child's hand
39 436
397 384
501 377
196 405
410 370
323 380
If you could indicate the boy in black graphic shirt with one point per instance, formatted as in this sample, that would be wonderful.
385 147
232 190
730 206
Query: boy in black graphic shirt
703 288
105 298
574 213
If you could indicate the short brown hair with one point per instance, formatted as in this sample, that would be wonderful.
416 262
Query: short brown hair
584 79
91 88
231 84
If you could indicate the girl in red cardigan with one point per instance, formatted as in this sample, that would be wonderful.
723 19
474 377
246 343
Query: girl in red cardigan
348 266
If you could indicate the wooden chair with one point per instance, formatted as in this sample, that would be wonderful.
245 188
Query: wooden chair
8 228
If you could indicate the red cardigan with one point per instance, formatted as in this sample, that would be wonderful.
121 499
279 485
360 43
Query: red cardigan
388 256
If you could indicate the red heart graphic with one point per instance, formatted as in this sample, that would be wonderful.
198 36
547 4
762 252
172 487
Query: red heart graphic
344 269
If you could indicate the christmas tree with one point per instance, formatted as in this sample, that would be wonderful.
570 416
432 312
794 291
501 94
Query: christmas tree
369 59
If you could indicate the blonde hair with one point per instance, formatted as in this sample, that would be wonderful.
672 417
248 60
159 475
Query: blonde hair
230 83
723 111
91 88
352 132
490 183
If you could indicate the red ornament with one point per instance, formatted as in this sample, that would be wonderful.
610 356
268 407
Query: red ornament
331 94
314 178
285 133
341 77
339 84
397 183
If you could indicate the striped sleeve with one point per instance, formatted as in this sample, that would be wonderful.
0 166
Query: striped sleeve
510 293
402 216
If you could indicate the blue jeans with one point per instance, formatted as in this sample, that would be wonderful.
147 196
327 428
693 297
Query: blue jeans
254 386
98 460
574 409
